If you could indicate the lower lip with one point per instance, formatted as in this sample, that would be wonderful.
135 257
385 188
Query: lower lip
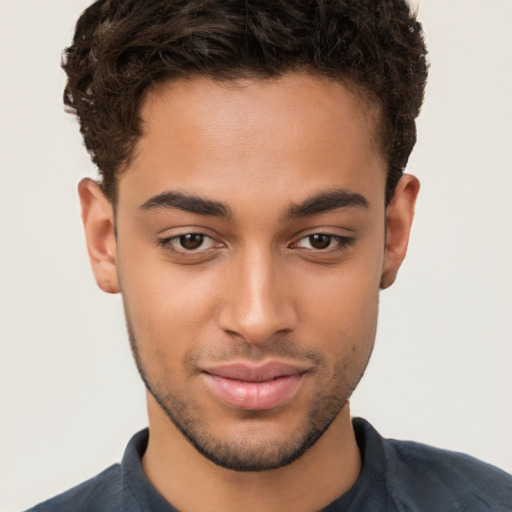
254 395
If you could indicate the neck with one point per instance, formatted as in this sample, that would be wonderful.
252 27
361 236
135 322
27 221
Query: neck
327 470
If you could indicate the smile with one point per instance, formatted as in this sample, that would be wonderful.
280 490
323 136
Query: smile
252 387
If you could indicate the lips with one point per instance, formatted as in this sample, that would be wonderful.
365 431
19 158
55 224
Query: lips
254 387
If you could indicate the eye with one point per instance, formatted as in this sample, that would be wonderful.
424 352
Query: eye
188 242
324 242
191 241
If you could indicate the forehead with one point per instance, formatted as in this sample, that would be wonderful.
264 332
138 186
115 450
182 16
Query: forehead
285 136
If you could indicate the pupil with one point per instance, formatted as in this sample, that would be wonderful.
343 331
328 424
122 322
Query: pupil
320 241
191 241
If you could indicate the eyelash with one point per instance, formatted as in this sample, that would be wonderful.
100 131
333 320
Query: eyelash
167 243
343 242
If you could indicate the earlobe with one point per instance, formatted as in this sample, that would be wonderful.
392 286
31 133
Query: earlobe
399 217
99 226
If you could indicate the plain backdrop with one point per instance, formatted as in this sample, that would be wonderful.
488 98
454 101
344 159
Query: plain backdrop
70 397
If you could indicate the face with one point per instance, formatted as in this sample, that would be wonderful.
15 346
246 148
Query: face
250 247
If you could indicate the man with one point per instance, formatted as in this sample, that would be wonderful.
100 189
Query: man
251 206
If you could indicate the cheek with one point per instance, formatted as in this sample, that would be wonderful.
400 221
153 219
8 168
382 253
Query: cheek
167 305
346 308
342 307
345 328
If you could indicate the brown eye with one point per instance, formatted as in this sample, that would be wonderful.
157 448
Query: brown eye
191 241
320 241
190 244
325 242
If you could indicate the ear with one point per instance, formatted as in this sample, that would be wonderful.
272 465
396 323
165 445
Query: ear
399 215
98 219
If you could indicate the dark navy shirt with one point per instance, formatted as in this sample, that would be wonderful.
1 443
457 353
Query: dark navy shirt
396 476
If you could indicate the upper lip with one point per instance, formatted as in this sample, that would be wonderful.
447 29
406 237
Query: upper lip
251 372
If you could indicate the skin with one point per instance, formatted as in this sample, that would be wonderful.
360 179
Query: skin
256 289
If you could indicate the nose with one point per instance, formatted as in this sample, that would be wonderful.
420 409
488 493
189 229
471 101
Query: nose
259 302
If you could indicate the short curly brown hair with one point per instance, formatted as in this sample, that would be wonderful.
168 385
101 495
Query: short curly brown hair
122 47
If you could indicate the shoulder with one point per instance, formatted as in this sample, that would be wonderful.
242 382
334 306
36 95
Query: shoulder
104 492
440 477
409 476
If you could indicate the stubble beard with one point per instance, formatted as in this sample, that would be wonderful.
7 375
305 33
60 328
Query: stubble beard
242 454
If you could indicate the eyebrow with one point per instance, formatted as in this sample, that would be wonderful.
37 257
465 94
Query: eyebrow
187 203
319 203
324 202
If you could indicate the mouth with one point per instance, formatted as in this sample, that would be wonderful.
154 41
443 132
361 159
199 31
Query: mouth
255 387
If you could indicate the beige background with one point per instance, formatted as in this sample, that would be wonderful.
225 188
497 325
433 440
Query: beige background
70 397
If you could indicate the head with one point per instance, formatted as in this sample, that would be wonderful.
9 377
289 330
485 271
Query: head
251 204
122 49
